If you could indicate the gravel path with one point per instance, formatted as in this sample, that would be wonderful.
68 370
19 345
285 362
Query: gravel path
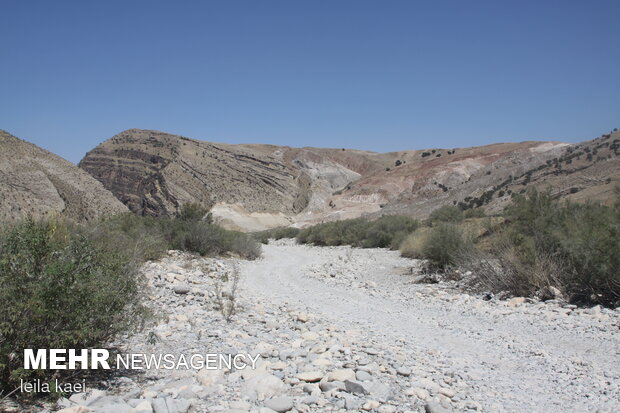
528 357
348 330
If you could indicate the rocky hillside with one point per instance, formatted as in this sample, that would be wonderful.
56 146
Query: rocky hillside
258 186
418 182
587 171
36 182
154 173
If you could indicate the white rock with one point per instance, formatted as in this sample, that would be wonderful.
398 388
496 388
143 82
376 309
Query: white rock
262 386
310 336
75 409
302 317
280 404
404 371
341 375
370 405
310 376
86 398
209 377
362 375
181 288
142 407
515 302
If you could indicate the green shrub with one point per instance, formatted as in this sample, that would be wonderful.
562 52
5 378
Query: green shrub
583 238
211 239
387 231
444 244
474 213
152 236
194 211
446 213
61 289
141 234
275 233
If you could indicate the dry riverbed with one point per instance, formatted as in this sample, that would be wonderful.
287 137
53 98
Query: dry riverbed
341 329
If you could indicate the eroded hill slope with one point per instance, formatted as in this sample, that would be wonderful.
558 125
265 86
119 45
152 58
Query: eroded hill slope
255 186
36 182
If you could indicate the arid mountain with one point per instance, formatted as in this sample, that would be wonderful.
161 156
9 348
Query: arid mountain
587 171
487 176
258 186
36 182
155 173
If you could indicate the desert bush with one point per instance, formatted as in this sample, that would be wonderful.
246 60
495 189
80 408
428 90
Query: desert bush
387 231
446 213
194 211
226 286
275 233
445 242
142 235
210 239
474 213
412 246
504 270
61 289
568 246
152 236
246 246
585 238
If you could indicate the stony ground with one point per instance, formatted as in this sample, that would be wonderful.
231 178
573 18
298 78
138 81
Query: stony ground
341 329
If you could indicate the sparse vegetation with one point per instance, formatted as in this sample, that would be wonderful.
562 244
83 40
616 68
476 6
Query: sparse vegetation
541 245
275 233
387 231
413 245
152 236
194 211
441 244
226 292
446 213
570 247
474 213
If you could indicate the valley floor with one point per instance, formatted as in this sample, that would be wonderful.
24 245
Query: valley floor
346 329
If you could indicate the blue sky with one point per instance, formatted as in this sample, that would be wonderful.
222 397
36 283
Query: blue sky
376 75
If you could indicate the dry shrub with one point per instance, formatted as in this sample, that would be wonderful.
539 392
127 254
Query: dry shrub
226 292
505 270
412 246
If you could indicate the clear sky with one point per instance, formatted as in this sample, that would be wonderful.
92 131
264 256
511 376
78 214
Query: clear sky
376 75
